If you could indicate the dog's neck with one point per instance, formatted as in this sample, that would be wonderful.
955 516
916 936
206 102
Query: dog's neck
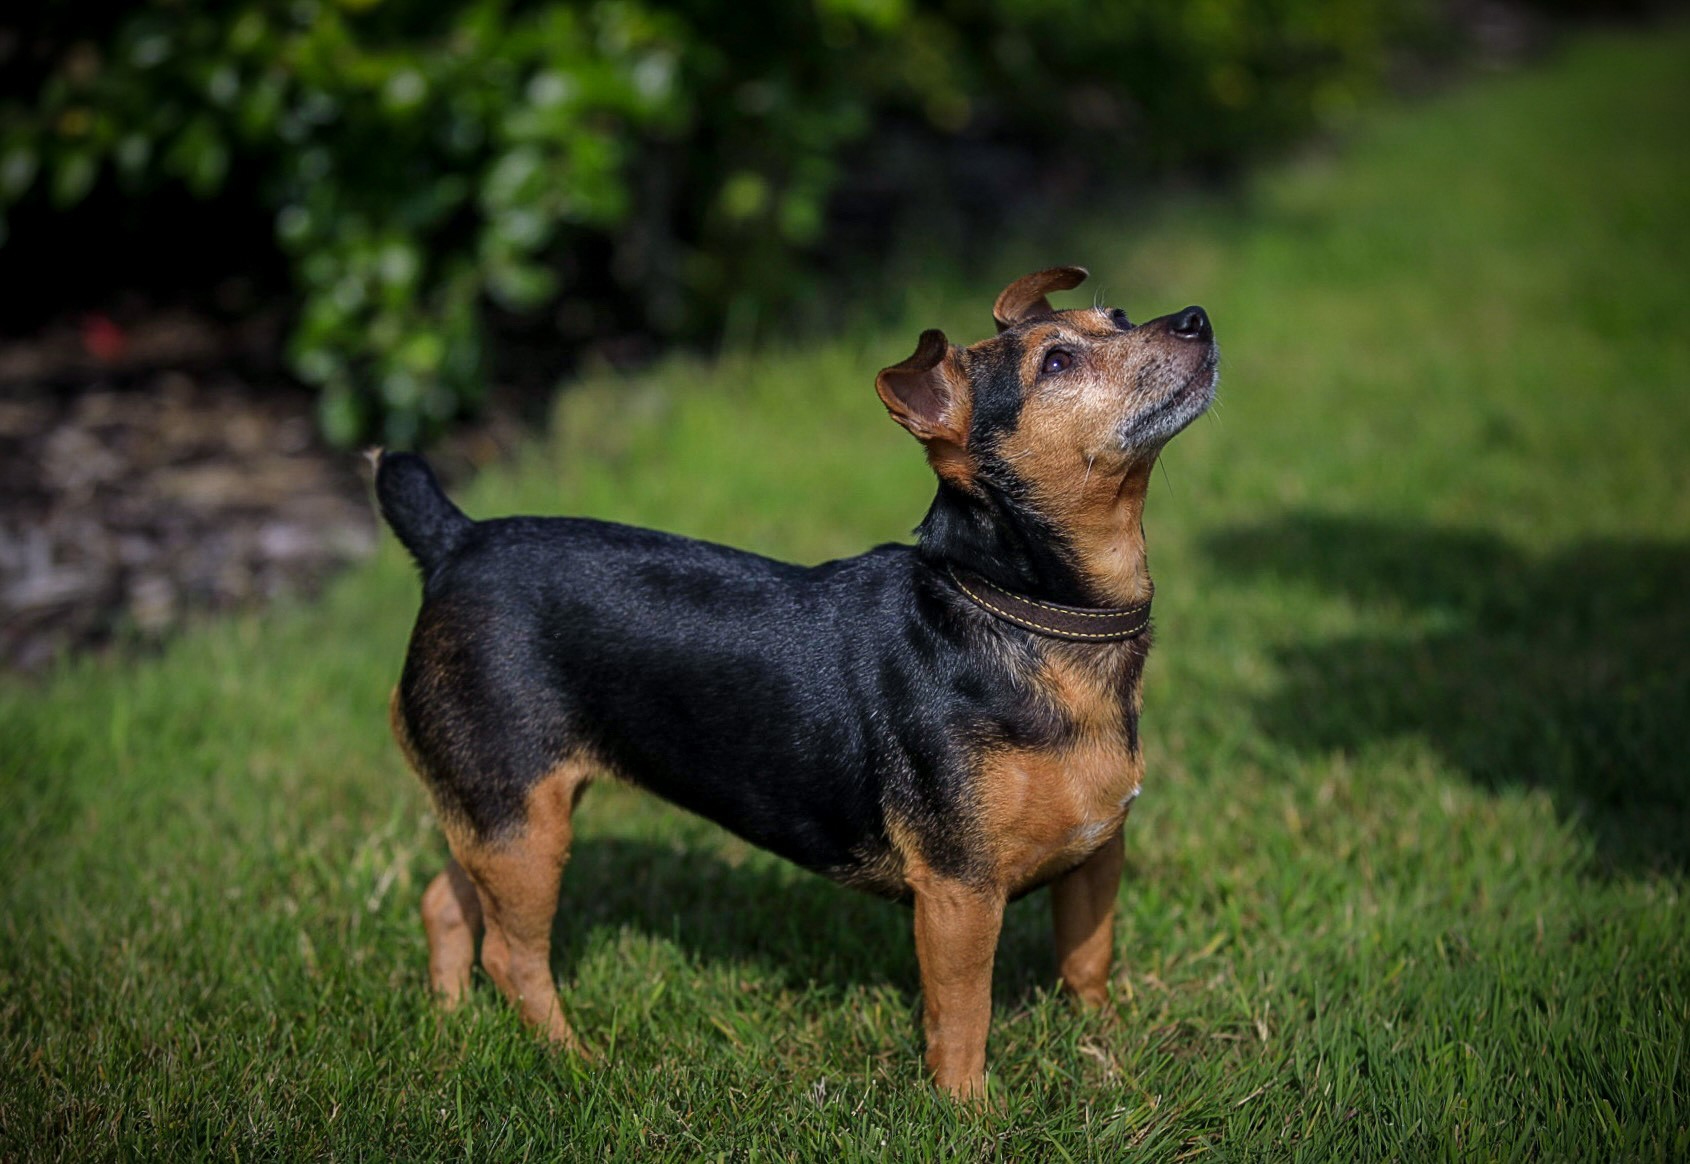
1095 557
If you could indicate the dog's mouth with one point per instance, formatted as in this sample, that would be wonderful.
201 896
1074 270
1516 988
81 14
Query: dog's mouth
1165 419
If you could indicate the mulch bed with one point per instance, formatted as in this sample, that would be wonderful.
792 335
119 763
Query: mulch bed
125 509
156 472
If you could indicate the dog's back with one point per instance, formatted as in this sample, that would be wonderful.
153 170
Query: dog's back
793 705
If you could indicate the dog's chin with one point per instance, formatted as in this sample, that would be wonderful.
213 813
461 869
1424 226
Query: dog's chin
1161 422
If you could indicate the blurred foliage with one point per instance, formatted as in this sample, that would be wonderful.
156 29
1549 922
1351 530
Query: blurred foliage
424 161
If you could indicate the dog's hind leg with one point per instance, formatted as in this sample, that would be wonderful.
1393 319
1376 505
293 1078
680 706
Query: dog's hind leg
451 914
516 881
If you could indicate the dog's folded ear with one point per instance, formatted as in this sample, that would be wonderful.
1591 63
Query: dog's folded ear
1025 297
928 393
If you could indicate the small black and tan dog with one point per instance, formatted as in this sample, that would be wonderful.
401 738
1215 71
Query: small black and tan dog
953 723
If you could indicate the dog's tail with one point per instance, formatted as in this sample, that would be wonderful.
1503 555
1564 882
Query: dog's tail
417 509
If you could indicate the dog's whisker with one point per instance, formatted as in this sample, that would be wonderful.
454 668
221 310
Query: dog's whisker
1162 463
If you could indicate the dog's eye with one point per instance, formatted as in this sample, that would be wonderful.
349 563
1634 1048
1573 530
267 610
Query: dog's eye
1121 320
1056 360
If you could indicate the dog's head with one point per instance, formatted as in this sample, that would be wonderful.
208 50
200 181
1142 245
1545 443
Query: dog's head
1056 395
1062 413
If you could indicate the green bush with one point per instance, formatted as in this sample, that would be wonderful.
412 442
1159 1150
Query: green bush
416 159
423 161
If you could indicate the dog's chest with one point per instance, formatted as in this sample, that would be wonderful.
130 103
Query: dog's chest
1042 810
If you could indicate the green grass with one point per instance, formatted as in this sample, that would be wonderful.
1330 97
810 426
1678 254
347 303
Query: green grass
1408 878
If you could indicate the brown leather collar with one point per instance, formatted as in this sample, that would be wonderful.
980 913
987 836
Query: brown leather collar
1081 624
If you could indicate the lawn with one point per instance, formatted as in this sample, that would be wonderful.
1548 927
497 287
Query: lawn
1408 877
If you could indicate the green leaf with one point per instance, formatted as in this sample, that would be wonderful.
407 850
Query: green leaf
800 217
341 415
405 91
17 171
133 153
199 157
73 177
744 195
422 352
521 286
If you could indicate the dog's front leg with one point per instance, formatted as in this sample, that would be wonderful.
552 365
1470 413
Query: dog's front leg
956 937
1083 907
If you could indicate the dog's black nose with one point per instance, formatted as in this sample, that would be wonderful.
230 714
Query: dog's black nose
1192 324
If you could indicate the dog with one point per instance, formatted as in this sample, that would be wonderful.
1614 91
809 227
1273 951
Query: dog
951 724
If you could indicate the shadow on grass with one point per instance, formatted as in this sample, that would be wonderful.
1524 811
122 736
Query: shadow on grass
1568 672
802 929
